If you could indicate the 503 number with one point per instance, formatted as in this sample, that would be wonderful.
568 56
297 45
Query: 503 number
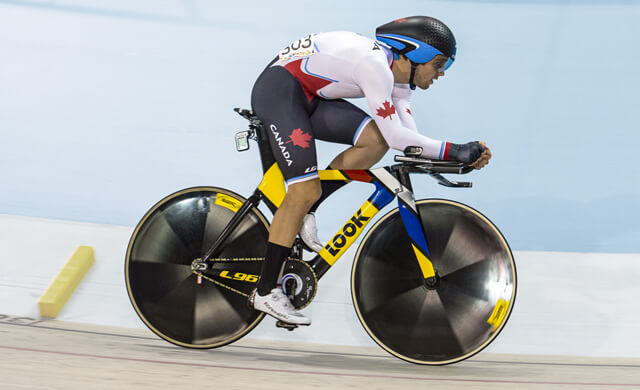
240 276
301 47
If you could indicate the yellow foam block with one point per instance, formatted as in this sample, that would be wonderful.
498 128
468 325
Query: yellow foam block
69 277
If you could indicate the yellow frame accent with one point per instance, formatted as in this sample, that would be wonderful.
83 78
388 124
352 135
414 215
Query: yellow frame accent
273 188
348 234
425 264
332 174
272 185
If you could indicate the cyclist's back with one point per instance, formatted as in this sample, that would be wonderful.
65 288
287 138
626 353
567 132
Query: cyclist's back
329 64
304 86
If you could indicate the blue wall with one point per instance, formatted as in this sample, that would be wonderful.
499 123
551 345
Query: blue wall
107 106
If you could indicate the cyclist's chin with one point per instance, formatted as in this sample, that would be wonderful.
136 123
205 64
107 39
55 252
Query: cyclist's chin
426 84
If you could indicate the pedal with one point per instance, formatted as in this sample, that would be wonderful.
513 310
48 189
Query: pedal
286 325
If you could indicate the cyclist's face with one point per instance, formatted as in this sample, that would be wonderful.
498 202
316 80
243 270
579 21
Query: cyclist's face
430 71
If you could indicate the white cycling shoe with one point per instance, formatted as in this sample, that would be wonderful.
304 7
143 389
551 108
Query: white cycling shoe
277 305
309 233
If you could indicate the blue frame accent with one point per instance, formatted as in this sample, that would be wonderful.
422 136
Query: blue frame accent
413 226
381 196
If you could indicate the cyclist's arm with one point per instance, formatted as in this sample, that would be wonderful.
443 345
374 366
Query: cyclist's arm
376 82
401 95
474 153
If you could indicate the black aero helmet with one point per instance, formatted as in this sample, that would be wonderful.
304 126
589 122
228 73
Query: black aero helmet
420 39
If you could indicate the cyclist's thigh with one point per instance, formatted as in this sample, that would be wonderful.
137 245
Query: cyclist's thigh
280 103
338 121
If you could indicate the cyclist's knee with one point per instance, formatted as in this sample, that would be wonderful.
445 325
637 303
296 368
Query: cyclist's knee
306 192
379 150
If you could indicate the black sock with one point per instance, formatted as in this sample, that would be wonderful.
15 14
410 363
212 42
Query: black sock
328 188
273 261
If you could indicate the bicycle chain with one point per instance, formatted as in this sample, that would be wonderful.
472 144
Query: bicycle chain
228 259
221 284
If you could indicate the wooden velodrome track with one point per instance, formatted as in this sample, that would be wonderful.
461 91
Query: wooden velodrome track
64 355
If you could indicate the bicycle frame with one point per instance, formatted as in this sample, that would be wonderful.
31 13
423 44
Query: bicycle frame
271 190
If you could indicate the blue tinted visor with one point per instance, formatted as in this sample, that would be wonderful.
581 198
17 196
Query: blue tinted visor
448 64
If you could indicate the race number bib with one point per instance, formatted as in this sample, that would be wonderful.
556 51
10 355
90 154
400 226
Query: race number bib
300 48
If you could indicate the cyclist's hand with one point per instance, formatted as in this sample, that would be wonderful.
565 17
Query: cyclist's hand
471 153
484 157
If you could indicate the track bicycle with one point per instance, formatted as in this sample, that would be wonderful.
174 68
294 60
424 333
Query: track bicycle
433 281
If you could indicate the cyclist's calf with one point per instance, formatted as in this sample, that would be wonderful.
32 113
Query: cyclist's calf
288 218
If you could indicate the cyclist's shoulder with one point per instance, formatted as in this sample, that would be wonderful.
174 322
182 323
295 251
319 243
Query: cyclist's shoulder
343 35
347 42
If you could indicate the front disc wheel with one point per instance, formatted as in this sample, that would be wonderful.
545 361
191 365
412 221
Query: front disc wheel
445 319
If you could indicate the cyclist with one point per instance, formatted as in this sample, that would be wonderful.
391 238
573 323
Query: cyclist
299 98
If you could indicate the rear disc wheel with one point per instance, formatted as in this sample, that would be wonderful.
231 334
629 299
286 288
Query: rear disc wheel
169 298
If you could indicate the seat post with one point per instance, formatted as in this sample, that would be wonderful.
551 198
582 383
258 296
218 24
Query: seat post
266 155
261 136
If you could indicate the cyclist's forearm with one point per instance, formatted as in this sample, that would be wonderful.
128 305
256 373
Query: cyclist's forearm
399 140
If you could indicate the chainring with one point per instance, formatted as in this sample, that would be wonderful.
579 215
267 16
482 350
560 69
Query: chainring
299 278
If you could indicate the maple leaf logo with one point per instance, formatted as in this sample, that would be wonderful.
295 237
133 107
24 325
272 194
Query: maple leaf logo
300 138
409 111
386 110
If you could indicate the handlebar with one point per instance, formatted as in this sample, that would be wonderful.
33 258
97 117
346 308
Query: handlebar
434 168
245 113
250 116
437 166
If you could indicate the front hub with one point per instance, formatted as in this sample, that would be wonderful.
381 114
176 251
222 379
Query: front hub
433 282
